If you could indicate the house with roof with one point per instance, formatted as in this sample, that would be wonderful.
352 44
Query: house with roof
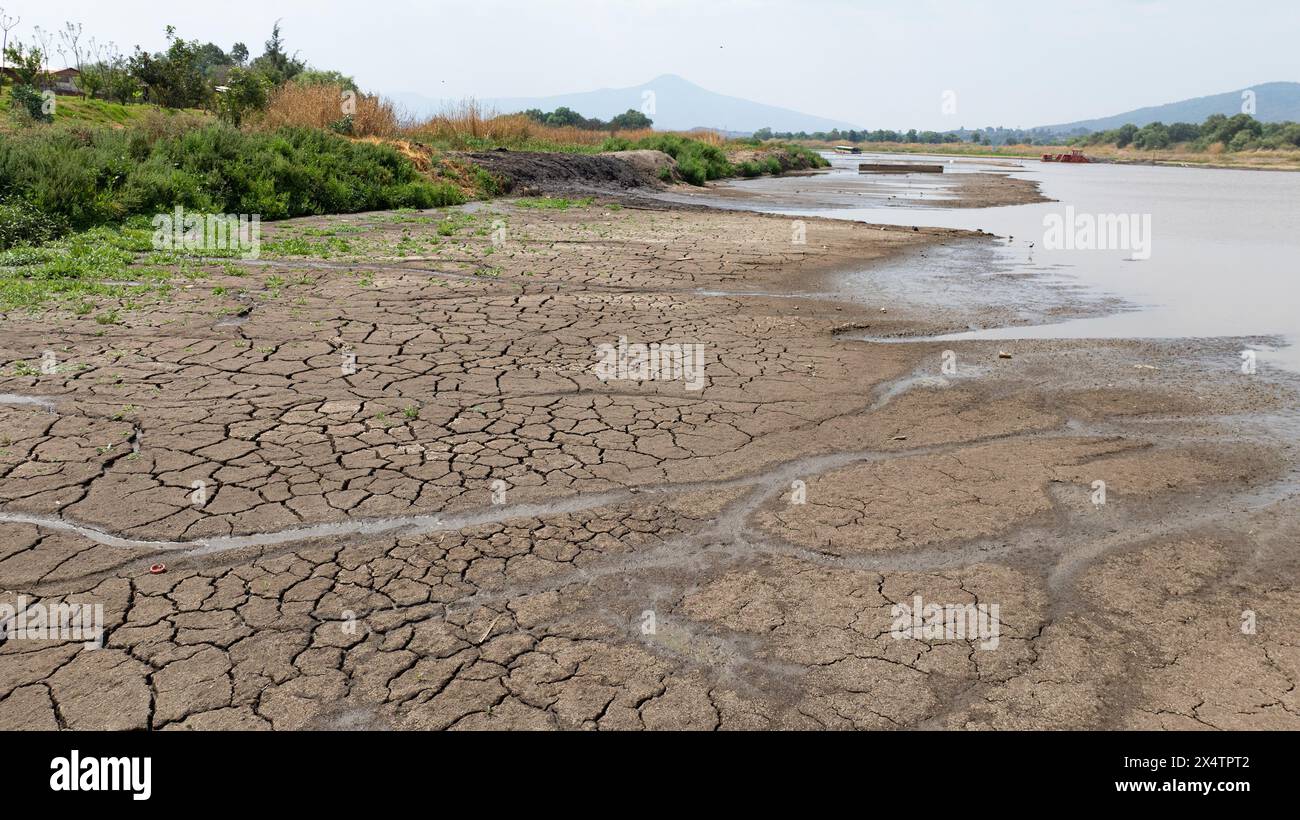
63 81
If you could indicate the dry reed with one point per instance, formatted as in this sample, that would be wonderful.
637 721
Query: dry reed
320 106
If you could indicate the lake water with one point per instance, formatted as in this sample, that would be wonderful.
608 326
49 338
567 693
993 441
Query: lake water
1224 252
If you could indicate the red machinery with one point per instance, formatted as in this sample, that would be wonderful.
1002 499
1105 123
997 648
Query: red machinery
1075 155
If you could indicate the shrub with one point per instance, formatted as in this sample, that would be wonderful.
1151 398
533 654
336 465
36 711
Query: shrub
692 170
802 157
27 104
616 144
487 184
698 161
22 224
343 125
89 176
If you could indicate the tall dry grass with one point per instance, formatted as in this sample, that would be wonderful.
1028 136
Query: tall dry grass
469 125
464 126
319 106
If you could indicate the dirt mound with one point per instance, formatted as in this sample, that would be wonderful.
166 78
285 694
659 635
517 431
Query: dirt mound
647 162
433 165
529 172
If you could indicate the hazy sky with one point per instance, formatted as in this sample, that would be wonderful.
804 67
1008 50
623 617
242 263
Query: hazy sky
875 63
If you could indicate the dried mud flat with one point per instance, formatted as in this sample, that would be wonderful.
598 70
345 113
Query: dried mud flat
353 563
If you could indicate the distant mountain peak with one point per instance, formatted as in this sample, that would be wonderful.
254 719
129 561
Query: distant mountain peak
677 104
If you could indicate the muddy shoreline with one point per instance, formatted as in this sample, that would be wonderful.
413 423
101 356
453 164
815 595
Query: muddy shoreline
1102 159
985 189
654 556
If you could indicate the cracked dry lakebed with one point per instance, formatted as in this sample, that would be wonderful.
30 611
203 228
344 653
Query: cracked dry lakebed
375 479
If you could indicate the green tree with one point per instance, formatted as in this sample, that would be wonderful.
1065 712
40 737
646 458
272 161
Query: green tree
25 99
245 91
1289 133
120 85
1212 126
1183 132
173 78
565 116
1124 134
1151 137
313 76
90 82
275 62
212 62
25 63
1242 140
631 120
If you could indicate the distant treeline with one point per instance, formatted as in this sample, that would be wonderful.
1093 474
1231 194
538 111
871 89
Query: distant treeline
837 135
1240 132
983 136
630 120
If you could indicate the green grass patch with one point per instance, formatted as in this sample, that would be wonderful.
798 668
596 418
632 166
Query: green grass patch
82 111
553 203
22 224
77 270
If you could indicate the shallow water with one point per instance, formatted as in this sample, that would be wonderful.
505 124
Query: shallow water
1224 246
40 401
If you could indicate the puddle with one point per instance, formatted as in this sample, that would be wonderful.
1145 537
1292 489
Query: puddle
40 401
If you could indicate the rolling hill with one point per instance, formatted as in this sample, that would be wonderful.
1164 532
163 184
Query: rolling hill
1274 102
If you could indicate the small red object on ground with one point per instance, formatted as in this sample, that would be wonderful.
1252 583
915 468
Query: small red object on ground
158 569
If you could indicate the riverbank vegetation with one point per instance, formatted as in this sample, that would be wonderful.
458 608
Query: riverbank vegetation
1236 141
1181 154
211 129
87 162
